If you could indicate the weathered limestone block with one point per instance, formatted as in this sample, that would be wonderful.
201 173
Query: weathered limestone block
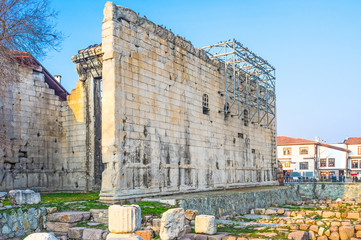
353 215
91 233
346 232
68 217
123 236
40 236
205 224
76 232
24 197
99 215
124 219
145 234
59 226
173 224
191 214
298 235
334 236
270 211
259 211
328 214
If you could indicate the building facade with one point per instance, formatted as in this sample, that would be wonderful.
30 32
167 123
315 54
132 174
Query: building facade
354 156
307 158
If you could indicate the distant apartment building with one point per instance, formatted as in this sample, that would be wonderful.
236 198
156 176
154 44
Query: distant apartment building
313 159
354 155
297 155
332 159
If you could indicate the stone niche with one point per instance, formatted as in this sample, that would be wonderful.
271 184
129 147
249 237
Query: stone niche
156 138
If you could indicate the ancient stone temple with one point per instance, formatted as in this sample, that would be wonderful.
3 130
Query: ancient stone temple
163 128
150 115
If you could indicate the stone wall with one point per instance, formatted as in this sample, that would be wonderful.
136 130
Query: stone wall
328 190
43 137
155 137
239 201
30 121
18 223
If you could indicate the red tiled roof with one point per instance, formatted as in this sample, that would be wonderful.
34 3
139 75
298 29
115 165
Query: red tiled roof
353 140
283 140
28 60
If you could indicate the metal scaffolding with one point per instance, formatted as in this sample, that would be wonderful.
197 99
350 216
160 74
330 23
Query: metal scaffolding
249 83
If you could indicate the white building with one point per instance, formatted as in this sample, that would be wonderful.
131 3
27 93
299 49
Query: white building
297 155
354 156
332 159
307 158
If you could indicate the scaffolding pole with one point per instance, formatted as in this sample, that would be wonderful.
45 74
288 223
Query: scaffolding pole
249 83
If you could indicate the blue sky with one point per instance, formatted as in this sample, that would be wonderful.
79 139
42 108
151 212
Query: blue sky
314 45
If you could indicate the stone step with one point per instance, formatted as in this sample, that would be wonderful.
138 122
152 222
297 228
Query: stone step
68 217
59 227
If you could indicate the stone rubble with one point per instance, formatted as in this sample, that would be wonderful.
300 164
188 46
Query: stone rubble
24 197
205 224
172 224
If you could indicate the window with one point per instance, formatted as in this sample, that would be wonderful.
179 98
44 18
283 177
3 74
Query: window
331 162
303 165
287 164
354 164
287 151
245 118
323 162
303 150
359 150
205 104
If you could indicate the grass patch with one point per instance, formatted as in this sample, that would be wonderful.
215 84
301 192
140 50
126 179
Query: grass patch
155 209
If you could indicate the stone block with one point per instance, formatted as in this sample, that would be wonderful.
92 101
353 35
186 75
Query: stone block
280 211
346 232
201 237
68 217
156 222
76 232
99 215
218 236
145 234
322 237
304 227
328 214
270 211
123 236
59 226
172 224
314 228
205 224
91 233
124 219
353 215
24 197
334 236
191 214
298 235
259 211
41 236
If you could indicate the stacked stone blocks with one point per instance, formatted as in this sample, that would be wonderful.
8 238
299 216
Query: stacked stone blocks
157 133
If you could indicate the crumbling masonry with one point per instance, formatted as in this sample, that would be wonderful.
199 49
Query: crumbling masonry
149 111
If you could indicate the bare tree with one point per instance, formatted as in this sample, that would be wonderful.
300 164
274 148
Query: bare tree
28 25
